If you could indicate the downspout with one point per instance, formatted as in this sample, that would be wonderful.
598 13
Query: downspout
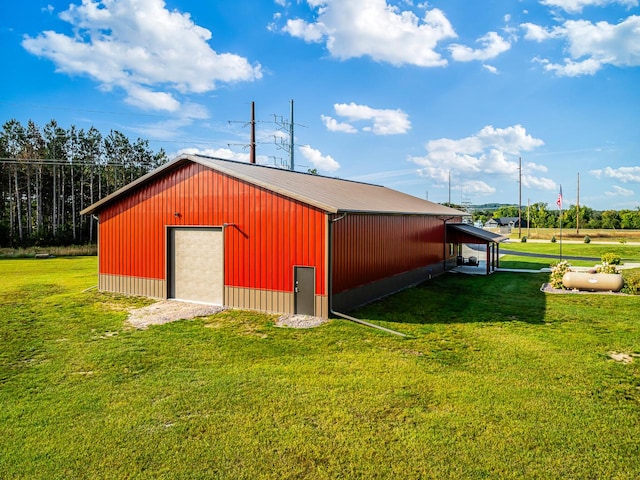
330 268
362 322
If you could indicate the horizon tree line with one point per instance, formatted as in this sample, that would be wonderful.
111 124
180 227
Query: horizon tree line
48 175
541 216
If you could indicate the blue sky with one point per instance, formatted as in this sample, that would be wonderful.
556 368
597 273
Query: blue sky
397 93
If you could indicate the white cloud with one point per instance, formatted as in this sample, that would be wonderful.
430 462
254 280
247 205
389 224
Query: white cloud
491 152
491 44
535 167
591 46
325 163
373 28
539 183
571 68
150 52
477 187
170 127
223 153
334 126
617 191
309 32
539 34
385 121
576 6
622 174
490 68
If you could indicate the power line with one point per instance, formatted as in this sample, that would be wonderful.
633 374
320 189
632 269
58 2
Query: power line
188 141
57 162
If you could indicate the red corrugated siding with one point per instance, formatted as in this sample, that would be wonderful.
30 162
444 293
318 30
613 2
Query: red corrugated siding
271 236
367 248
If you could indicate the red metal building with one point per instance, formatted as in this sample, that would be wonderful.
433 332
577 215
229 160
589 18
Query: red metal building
255 237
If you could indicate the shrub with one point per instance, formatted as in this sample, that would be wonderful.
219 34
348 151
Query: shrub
553 239
557 272
611 258
623 241
587 239
632 283
606 268
524 239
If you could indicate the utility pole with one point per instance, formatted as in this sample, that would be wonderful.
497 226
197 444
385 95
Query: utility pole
519 197
578 208
528 217
252 152
252 142
291 162
281 143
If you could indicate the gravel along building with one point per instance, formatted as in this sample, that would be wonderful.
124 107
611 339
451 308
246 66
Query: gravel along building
254 237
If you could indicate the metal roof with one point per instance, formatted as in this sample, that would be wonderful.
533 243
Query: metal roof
330 194
477 232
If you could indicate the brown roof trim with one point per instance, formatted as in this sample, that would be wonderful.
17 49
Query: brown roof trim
263 184
476 232
332 195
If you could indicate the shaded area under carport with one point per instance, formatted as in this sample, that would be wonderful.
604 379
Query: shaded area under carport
460 234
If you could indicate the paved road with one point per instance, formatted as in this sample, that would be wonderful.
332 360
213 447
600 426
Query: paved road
506 251
546 255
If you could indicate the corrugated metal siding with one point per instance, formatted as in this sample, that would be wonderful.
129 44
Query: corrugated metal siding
367 248
147 287
268 235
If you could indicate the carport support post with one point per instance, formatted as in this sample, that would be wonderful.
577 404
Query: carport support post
488 258
497 255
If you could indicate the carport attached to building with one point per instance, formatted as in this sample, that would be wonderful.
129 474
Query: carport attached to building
461 233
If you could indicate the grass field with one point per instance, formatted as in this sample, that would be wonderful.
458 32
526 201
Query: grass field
497 380
62 251
628 253
607 235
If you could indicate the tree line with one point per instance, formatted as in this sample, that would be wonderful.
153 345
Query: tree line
541 216
48 175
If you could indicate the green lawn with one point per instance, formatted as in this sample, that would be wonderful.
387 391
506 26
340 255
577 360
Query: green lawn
497 380
628 252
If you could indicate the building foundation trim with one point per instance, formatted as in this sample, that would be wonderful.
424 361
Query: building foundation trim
145 287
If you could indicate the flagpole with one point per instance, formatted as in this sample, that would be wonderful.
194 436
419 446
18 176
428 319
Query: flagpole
559 203
560 232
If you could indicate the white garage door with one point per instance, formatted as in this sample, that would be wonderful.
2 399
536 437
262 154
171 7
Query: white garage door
196 264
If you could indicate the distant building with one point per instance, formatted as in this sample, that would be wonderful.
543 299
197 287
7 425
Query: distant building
505 224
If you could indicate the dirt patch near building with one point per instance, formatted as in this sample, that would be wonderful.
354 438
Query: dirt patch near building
300 321
166 311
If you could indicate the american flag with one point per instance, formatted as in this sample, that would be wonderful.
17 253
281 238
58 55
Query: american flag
559 201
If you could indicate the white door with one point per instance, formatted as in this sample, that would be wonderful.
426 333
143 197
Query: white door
196 268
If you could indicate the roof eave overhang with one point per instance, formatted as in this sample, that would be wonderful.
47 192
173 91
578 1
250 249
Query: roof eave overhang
449 215
97 206
182 159
486 237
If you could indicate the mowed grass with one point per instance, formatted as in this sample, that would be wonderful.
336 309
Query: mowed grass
497 380
628 253
594 250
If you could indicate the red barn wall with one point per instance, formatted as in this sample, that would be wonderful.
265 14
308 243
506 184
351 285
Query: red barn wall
269 235
375 255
